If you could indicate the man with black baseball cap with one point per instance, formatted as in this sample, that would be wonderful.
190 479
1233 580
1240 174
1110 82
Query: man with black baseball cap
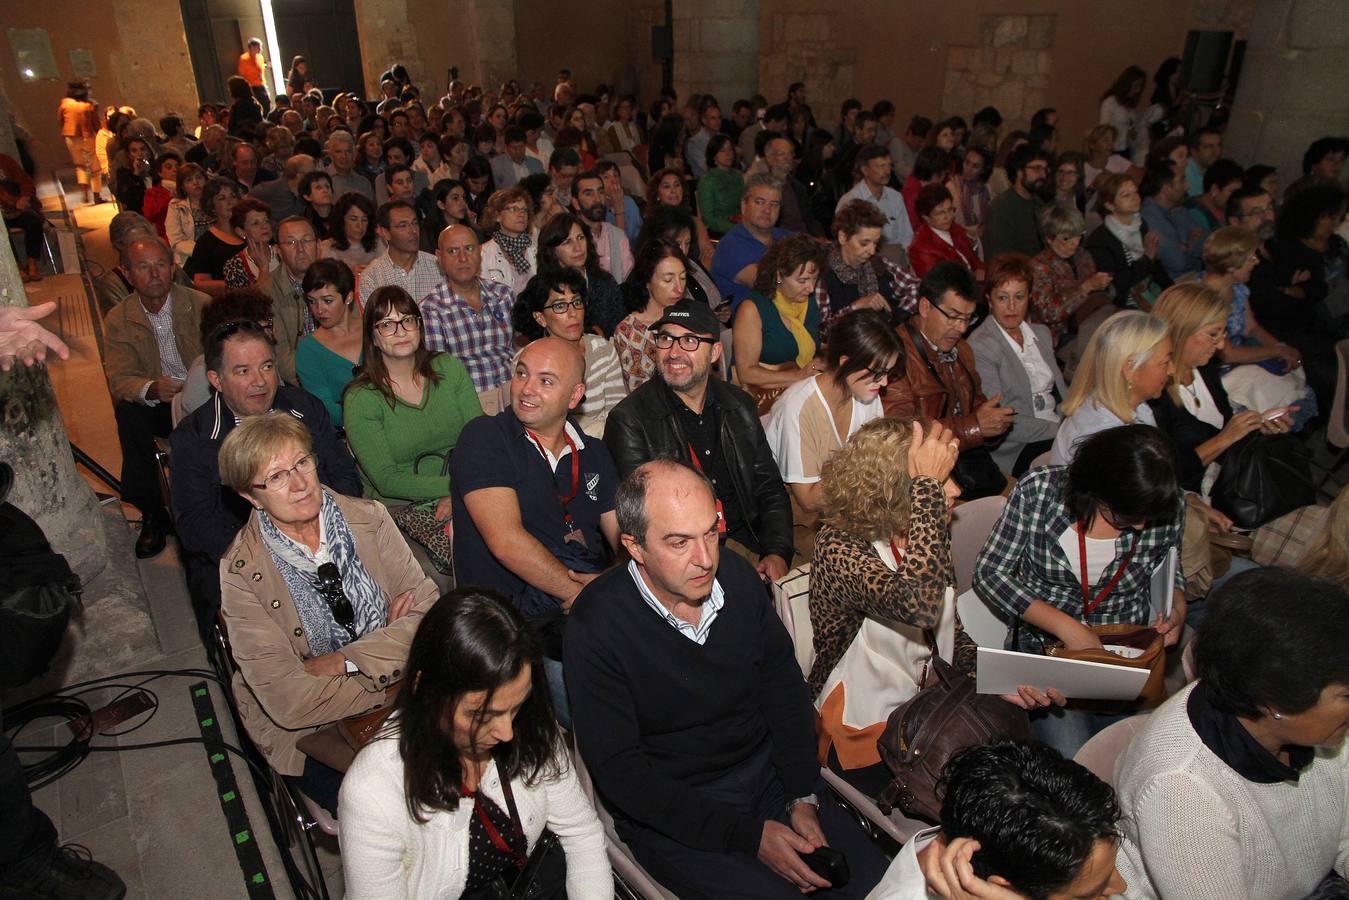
685 414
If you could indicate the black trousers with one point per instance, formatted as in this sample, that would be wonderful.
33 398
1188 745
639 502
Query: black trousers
137 427
264 99
27 836
753 789
32 222
203 589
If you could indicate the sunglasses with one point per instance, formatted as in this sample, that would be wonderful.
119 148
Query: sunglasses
330 588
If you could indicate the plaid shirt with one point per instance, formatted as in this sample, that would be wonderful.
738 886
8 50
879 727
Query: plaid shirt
479 340
1022 559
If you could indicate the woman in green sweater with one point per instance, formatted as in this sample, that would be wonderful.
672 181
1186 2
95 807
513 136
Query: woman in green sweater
720 189
405 410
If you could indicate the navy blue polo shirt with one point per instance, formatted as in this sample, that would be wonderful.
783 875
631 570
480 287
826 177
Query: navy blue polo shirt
495 452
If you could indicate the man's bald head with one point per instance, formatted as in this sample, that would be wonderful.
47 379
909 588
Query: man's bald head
297 165
547 383
148 264
459 255
558 356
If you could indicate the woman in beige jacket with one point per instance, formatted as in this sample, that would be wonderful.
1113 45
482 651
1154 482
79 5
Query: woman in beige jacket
320 597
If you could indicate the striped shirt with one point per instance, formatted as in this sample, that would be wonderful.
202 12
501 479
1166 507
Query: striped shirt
423 278
170 360
711 606
481 340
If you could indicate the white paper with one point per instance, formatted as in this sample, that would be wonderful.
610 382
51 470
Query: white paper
1001 671
1164 584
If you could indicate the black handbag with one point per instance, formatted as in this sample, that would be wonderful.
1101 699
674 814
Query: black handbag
542 877
1263 477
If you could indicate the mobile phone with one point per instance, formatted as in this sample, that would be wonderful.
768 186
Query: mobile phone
1274 414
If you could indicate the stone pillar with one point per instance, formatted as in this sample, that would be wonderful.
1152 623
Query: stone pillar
1291 90
494 35
716 49
808 47
388 37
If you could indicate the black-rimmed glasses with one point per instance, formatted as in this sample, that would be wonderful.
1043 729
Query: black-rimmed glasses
279 480
687 342
329 586
876 376
390 327
954 317
560 306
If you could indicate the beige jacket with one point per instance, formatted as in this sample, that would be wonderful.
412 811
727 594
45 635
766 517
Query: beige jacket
287 320
131 355
278 701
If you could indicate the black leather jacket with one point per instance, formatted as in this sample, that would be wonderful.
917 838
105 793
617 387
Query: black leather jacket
644 426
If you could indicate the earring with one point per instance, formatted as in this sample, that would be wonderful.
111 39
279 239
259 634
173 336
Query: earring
1278 715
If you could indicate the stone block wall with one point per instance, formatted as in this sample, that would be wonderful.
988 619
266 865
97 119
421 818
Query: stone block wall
716 47
808 47
1009 68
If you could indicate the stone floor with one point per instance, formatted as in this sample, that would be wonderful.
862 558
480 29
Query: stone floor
153 815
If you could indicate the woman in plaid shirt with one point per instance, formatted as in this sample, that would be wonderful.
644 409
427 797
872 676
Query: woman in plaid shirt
1114 512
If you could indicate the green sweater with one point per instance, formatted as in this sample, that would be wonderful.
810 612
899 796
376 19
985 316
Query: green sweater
719 198
324 373
388 438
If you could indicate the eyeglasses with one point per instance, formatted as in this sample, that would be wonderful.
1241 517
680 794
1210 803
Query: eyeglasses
687 342
560 306
517 208
876 376
280 480
298 242
954 317
329 586
390 327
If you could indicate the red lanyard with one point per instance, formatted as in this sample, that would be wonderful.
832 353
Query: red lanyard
1089 605
721 516
493 834
575 472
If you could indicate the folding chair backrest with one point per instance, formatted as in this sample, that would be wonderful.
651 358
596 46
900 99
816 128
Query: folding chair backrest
791 599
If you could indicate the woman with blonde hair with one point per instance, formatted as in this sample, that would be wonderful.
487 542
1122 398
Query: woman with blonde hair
880 580
510 254
1259 371
1128 361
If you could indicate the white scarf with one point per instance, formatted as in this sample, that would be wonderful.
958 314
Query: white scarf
1131 236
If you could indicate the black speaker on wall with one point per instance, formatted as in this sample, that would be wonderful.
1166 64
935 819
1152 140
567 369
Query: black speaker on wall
1205 61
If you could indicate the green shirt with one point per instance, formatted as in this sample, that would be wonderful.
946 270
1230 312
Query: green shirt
324 373
388 438
719 198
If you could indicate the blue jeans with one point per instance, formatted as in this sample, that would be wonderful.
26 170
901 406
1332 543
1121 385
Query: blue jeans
1067 729
557 691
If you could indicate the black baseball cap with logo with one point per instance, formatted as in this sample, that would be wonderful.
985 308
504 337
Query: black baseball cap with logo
691 314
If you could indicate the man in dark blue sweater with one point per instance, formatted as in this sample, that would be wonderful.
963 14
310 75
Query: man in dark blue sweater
691 712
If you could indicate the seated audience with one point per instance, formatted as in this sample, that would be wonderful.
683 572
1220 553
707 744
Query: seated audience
855 276
1015 360
969 188
932 166
1322 163
873 179
555 305
1069 188
676 225
779 159
1208 211
1018 820
22 209
320 597
164 180
620 210
1108 520
298 247
940 237
131 180
720 189
283 195
257 257
186 220
1011 224
340 148
691 712
684 413
316 192
514 165
351 233
1128 361
1066 288
244 305
205 266
777 334
537 533
565 243
611 244
937 379
148 339
1180 242
658 281
816 416
326 357
113 286
473 738
403 264
1235 788
735 265
1101 158
509 255
469 316
1123 246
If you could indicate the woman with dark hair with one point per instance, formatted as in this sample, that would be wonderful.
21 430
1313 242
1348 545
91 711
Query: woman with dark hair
1164 109
676 224
1076 546
555 304
776 332
326 358
370 155
351 229
969 189
657 282
1119 107
252 223
1236 787
164 181
1016 361
185 220
1305 254
478 184
405 409
298 79
939 237
720 189
1070 180
218 243
666 143
244 111
817 159
129 182
471 776
446 204
316 196
817 415
666 188
855 276
565 243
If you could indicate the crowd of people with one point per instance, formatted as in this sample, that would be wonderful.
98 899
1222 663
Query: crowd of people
615 370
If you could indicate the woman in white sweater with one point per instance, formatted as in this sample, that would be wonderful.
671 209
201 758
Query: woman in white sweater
470 779
1237 787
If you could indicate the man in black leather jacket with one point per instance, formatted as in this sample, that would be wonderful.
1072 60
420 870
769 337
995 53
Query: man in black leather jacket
686 415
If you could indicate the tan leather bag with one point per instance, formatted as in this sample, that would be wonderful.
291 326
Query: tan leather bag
1136 636
336 745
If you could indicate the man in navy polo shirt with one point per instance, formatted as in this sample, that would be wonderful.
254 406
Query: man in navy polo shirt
533 498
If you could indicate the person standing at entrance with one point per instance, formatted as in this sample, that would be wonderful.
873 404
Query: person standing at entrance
253 69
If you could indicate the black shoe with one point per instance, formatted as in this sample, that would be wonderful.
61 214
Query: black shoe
154 530
70 874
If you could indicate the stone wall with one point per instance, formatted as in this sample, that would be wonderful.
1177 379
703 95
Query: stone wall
1009 68
716 45
388 36
810 47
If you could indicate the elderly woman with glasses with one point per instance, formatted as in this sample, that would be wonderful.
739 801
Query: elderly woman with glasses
320 597
1065 288
509 256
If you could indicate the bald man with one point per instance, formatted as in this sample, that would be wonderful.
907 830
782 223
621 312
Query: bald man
533 499
469 317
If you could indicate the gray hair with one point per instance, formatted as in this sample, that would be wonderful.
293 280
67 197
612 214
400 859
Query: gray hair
124 256
1057 221
763 180
127 225
337 137
630 497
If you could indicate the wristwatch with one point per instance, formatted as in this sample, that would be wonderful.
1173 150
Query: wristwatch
808 798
